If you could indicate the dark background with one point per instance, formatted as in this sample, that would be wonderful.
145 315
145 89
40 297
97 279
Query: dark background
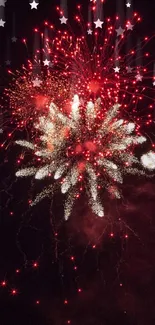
86 271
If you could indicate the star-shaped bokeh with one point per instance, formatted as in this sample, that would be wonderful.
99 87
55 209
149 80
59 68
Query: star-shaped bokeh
34 4
98 23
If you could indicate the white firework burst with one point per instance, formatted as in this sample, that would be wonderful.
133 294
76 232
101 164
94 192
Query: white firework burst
83 150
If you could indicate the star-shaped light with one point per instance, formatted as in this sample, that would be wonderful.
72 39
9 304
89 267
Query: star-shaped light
2 22
1 131
116 69
2 3
63 20
36 82
46 62
34 4
153 83
128 4
89 31
129 26
98 23
129 69
139 77
14 39
120 31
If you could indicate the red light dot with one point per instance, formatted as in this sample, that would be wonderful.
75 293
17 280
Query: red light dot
126 236
37 302
111 235
14 292
72 258
79 290
11 213
3 284
17 271
65 301
35 264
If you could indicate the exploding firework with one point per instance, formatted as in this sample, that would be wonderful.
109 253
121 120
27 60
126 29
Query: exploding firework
83 112
30 96
84 151
96 64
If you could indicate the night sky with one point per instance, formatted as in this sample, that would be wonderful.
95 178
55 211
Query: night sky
86 271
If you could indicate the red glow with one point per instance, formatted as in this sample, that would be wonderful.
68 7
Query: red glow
94 86
35 265
13 292
17 271
41 101
78 148
81 166
90 146
3 283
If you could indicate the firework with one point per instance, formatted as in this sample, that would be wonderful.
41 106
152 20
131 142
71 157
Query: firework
29 96
83 151
82 112
92 65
